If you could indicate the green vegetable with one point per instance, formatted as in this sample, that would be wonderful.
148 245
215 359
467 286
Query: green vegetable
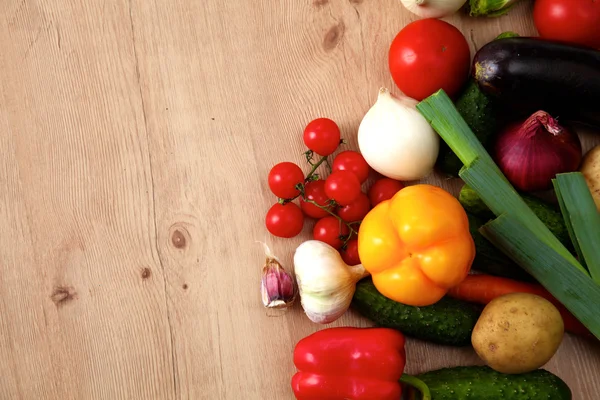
572 287
477 109
481 113
474 383
516 231
490 8
489 259
549 214
581 217
507 34
449 321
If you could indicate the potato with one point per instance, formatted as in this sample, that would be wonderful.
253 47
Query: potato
518 333
590 168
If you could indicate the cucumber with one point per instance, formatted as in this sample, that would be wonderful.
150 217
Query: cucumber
481 114
489 259
548 214
474 383
449 321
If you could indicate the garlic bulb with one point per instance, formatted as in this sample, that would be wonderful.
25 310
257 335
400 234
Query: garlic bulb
433 8
325 282
396 140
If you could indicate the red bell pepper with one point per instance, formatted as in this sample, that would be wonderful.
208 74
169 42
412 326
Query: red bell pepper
349 364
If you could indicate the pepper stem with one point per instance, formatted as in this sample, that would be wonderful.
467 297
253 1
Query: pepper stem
417 384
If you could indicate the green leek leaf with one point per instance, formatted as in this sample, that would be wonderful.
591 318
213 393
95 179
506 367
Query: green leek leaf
582 218
574 289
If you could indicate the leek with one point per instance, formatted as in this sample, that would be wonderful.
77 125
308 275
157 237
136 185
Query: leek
582 218
574 289
563 210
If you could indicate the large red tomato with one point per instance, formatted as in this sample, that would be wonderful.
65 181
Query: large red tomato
428 55
571 21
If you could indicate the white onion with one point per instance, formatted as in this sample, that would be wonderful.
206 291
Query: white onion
433 8
396 140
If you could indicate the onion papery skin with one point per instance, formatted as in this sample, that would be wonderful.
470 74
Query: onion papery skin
530 153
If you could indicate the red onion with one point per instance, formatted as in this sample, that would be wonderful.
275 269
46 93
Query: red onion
531 153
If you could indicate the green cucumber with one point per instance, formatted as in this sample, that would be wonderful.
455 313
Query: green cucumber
549 214
480 113
489 259
449 321
478 382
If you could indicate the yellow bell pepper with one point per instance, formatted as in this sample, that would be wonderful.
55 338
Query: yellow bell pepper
416 245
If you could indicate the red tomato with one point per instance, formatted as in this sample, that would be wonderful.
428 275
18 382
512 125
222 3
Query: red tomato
329 230
384 189
285 220
343 187
353 162
283 179
571 21
350 254
428 55
315 191
322 136
356 210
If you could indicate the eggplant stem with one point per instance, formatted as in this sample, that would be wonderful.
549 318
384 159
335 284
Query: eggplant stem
417 384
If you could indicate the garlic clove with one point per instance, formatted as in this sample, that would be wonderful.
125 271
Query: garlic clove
277 286
278 289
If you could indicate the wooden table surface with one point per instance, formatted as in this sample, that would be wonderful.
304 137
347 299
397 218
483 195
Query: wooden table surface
136 137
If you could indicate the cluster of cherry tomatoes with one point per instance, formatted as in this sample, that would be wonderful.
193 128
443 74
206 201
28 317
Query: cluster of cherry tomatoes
337 202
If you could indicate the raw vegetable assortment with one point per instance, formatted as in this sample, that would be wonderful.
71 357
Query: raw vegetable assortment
401 254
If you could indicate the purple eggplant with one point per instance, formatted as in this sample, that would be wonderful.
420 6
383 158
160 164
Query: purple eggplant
531 74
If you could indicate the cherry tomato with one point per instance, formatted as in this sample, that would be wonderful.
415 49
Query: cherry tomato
428 55
384 189
571 21
315 191
343 187
329 230
322 136
285 220
353 162
283 179
356 210
350 253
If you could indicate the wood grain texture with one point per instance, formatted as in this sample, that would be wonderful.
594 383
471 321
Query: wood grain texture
136 140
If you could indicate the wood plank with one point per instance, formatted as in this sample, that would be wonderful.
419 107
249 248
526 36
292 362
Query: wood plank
83 306
137 140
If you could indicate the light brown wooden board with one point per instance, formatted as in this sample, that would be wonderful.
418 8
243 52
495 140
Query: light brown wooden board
136 137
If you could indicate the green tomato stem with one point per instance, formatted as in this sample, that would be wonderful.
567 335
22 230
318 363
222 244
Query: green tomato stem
351 230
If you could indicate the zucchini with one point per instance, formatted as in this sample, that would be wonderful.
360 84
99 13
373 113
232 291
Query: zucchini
532 74
480 113
489 259
482 382
449 321
550 215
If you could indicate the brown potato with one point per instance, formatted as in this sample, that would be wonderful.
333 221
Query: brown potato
590 168
518 333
